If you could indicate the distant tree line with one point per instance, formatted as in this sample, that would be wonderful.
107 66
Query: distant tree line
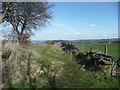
51 42
116 40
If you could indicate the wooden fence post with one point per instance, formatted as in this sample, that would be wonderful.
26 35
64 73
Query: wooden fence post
105 49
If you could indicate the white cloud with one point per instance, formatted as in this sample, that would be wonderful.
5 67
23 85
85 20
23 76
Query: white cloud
92 25
71 34
65 34
105 35
110 35
77 33
37 35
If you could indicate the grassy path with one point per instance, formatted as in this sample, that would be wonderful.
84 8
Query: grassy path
71 76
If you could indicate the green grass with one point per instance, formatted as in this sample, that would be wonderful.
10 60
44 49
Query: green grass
52 52
113 49
70 76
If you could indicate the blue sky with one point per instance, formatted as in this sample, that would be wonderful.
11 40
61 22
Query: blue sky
81 20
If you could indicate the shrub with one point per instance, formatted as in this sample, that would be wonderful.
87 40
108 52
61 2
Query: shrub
6 53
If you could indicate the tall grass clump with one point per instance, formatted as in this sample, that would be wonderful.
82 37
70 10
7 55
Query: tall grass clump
18 65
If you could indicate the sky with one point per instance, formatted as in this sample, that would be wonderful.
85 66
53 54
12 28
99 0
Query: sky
80 20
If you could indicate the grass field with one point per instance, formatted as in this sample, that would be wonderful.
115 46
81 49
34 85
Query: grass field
71 76
62 71
112 49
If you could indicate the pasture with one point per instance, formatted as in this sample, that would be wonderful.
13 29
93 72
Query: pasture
112 49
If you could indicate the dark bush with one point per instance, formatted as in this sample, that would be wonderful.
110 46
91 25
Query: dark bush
6 53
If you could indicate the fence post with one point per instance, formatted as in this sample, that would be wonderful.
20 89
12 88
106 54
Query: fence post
105 49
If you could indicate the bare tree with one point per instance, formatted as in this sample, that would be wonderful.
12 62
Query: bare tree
27 16
9 34
3 14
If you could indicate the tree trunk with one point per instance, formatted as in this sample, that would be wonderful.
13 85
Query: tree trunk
20 38
19 35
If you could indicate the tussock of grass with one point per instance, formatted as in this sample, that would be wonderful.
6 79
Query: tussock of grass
15 63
